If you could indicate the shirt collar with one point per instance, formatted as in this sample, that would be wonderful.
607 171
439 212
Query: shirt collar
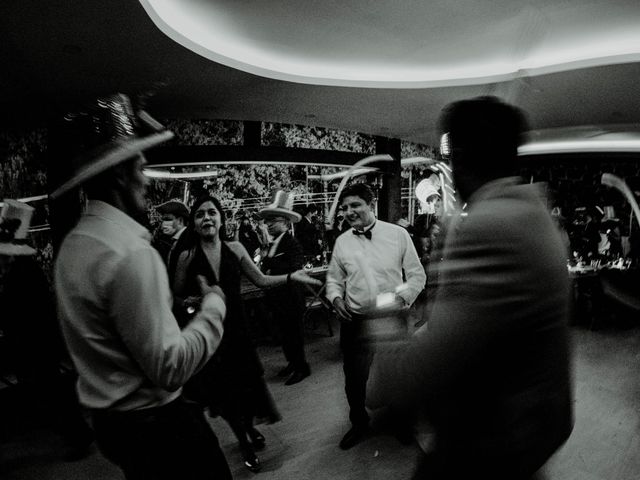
278 238
369 227
176 235
98 208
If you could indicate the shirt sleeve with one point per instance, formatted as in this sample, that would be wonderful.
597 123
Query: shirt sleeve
141 312
413 270
336 275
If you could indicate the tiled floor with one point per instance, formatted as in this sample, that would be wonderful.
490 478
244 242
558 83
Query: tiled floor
604 444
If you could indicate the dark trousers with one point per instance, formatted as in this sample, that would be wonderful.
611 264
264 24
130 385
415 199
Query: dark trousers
168 442
287 313
357 355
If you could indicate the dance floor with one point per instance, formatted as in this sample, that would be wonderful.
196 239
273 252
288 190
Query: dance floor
304 445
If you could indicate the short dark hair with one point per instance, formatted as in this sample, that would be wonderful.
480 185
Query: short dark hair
361 190
484 133
310 208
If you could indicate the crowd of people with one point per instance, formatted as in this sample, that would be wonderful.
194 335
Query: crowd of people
157 330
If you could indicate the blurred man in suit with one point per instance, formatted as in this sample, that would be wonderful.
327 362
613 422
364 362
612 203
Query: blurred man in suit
307 233
491 368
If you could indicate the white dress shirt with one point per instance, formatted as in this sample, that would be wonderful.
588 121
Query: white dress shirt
115 309
360 268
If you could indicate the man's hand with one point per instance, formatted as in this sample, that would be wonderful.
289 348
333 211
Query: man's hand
205 288
341 308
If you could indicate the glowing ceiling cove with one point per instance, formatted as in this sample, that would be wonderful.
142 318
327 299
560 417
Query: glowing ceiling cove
379 44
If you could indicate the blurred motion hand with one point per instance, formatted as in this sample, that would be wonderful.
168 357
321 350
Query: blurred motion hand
341 309
300 276
205 288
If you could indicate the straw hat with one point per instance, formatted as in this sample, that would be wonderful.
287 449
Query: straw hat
281 206
173 207
15 219
104 135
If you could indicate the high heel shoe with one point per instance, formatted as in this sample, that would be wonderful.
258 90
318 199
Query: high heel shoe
251 461
257 439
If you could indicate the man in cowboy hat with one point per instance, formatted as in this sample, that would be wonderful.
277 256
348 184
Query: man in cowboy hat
32 342
285 256
115 305
175 217
369 260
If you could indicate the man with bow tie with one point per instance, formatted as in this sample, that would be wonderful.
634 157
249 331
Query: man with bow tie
374 261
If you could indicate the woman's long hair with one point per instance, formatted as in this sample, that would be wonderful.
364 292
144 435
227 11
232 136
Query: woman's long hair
193 239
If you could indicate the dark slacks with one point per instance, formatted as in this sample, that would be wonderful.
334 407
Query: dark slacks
357 354
288 310
168 442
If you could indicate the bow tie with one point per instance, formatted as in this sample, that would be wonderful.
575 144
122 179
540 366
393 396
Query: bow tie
366 234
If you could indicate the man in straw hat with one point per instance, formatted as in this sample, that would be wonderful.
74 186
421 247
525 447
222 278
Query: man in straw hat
285 256
115 306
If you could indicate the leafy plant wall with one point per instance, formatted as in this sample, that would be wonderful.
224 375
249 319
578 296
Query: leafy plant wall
23 173
23 167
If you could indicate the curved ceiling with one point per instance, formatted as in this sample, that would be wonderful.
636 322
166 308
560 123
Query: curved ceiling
391 44
60 52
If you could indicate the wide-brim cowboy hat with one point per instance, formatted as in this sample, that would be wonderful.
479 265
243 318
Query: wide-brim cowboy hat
173 207
106 134
281 206
15 219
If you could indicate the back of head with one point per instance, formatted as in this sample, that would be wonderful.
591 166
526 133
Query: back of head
483 135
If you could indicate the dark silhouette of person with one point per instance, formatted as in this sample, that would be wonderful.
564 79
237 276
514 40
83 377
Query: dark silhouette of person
491 369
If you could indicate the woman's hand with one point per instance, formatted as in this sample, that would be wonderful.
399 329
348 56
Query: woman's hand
205 288
300 276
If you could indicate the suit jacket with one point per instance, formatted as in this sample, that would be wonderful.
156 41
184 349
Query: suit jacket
492 365
181 244
287 258
308 236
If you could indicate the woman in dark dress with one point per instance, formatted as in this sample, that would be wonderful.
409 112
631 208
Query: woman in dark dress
231 384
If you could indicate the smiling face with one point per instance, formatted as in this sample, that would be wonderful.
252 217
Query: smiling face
207 221
358 212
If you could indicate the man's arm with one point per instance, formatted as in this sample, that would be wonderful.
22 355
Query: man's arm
141 311
413 270
336 275
474 305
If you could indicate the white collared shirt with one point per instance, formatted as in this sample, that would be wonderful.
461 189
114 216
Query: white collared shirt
115 309
361 268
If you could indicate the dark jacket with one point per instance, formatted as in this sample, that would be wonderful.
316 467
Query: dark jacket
308 235
287 258
493 367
